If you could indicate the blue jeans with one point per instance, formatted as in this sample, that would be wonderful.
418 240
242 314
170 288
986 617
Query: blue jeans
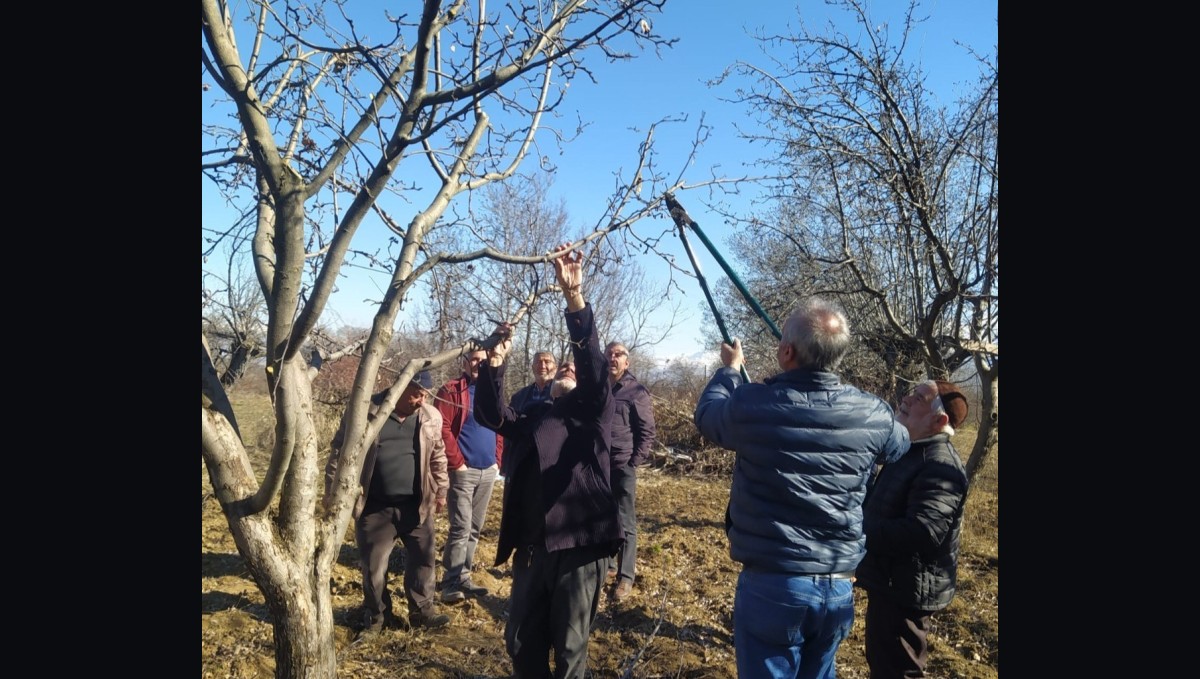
788 625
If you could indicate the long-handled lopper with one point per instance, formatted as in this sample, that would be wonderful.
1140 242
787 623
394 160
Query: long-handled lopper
682 221
681 218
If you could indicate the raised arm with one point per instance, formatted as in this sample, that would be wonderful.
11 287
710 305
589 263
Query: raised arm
712 409
591 368
490 410
569 271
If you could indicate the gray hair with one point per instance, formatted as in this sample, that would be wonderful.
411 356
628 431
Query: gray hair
819 332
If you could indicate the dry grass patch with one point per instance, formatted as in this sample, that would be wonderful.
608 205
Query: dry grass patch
676 624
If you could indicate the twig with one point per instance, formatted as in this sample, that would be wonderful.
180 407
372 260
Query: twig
662 608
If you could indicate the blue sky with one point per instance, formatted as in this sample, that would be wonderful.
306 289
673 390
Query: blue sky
632 95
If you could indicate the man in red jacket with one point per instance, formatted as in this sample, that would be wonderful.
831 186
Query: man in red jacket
473 454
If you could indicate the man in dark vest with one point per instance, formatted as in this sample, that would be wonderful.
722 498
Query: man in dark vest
404 482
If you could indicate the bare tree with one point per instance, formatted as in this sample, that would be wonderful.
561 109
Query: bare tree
885 201
234 317
323 108
514 216
518 215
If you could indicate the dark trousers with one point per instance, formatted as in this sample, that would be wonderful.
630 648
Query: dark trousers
897 639
376 532
624 487
554 600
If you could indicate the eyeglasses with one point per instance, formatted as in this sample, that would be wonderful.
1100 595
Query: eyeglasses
934 399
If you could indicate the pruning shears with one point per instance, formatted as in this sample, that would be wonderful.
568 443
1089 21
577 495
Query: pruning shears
682 221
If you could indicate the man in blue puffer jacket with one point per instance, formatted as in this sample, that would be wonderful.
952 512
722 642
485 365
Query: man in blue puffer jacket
806 445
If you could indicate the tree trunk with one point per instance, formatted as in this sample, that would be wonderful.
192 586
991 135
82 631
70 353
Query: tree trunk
300 603
303 624
304 648
238 362
988 435
279 543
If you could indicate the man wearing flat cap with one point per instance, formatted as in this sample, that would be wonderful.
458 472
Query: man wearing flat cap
913 518
404 481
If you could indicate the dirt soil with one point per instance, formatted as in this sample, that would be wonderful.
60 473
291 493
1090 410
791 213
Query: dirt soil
678 623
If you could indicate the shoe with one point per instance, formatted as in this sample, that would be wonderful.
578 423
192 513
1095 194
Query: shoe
428 620
452 595
622 591
473 589
393 621
612 573
371 624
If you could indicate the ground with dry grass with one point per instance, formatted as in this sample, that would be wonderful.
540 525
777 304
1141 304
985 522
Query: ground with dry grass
677 623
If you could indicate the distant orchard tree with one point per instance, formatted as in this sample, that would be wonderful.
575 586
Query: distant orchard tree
235 320
517 215
884 201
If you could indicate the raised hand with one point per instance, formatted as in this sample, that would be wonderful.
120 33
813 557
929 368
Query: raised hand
568 268
498 352
731 355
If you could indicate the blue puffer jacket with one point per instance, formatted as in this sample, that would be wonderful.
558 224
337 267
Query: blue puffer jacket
806 445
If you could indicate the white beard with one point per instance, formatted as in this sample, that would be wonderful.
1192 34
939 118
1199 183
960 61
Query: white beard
561 387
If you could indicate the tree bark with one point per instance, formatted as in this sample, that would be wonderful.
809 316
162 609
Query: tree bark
297 594
238 362
282 556
989 419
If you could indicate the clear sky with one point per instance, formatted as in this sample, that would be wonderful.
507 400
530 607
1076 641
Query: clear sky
632 95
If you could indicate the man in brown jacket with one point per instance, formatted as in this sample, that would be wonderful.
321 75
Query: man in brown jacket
404 481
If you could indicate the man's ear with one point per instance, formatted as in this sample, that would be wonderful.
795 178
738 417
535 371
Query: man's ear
941 420
789 353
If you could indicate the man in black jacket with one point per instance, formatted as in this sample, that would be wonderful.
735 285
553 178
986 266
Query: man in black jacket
559 514
912 518
543 368
633 433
